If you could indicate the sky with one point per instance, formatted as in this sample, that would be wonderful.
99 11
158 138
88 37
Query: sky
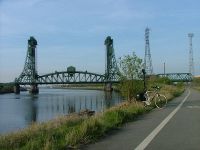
73 33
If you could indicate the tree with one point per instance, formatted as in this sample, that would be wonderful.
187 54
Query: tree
131 82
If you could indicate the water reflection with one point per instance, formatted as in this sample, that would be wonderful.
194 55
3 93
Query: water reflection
18 111
15 113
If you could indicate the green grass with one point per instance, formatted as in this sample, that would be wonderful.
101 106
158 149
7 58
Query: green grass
41 136
196 83
73 131
93 128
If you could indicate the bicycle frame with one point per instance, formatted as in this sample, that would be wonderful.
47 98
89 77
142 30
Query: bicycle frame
148 98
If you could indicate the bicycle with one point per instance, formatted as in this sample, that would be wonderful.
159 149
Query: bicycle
160 100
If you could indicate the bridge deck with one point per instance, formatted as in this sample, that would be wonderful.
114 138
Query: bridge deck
84 77
178 77
64 77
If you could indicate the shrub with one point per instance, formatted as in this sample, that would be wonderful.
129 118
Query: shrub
130 76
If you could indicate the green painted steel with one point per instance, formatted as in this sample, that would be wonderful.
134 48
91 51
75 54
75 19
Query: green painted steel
178 77
71 69
65 77
111 69
29 73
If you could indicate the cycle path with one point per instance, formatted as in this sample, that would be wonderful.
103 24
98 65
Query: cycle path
175 127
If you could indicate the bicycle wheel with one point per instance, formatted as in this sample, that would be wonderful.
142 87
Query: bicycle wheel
160 101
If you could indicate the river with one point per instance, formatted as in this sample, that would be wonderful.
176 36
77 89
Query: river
19 111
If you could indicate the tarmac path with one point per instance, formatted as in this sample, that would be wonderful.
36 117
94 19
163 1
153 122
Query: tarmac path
176 127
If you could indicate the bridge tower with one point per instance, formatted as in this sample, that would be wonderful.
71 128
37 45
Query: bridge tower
147 59
111 69
191 60
29 74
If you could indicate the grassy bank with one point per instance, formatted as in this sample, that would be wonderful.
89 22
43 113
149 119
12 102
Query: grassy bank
196 83
73 131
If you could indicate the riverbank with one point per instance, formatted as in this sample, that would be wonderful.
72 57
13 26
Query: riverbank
9 89
6 88
85 87
74 130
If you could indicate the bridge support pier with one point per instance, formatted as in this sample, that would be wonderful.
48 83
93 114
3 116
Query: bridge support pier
34 89
16 89
108 87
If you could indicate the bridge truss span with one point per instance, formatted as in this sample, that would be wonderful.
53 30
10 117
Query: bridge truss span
77 77
178 77
30 76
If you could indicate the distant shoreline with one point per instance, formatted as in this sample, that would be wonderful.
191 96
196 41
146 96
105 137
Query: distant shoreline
84 87
8 88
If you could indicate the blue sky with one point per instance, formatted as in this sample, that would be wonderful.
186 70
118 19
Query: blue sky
73 33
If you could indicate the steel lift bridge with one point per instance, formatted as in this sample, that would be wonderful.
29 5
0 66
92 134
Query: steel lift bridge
30 76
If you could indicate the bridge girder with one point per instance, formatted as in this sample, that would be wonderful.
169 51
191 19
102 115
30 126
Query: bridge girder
69 78
29 72
111 68
178 77
29 75
64 77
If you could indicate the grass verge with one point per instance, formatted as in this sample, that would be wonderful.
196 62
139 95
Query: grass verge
196 83
74 130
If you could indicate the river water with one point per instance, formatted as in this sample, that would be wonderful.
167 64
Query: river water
19 111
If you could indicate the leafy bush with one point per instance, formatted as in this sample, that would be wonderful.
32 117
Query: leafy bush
130 88
130 76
